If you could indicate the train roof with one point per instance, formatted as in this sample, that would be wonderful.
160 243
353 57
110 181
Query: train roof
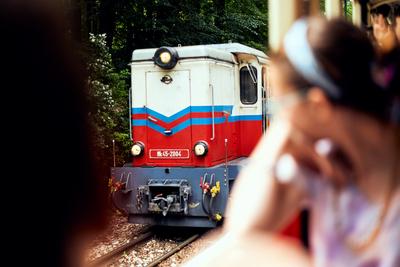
224 52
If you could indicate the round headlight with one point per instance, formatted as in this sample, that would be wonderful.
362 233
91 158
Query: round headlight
166 57
200 148
137 149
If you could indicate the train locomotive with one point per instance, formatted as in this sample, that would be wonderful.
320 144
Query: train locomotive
196 114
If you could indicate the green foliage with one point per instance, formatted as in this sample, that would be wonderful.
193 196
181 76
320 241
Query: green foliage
154 23
348 9
322 6
108 97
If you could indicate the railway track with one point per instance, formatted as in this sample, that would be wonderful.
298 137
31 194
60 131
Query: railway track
143 236
173 251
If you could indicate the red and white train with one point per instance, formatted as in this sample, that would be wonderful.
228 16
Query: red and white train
196 114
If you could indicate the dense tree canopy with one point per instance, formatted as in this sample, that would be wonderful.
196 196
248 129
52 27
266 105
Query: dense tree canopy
129 24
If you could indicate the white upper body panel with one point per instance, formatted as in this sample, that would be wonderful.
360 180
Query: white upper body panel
205 75
223 52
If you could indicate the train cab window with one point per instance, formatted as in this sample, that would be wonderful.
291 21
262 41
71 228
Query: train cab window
248 85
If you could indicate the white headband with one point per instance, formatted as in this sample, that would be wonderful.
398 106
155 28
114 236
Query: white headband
301 56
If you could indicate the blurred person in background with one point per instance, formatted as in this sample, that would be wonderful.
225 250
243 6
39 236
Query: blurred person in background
385 30
396 22
55 198
334 147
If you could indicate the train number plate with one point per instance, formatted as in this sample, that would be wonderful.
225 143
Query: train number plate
169 153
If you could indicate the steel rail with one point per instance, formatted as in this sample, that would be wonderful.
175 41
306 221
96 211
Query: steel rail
145 234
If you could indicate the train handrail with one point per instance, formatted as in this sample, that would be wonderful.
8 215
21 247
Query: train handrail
212 112
130 114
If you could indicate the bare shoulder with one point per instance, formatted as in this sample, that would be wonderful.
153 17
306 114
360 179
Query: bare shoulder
255 249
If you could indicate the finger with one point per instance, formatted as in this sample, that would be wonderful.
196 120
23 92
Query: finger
304 151
338 172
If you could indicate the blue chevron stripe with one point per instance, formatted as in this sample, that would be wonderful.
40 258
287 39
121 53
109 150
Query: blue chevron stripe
195 121
179 114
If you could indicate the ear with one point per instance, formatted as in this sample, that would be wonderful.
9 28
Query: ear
319 104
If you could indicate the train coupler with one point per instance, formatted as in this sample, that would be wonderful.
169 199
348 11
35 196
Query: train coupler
166 195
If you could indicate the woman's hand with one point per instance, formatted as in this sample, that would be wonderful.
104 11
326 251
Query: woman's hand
258 201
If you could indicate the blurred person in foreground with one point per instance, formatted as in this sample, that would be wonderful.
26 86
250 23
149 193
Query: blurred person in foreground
334 147
55 196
